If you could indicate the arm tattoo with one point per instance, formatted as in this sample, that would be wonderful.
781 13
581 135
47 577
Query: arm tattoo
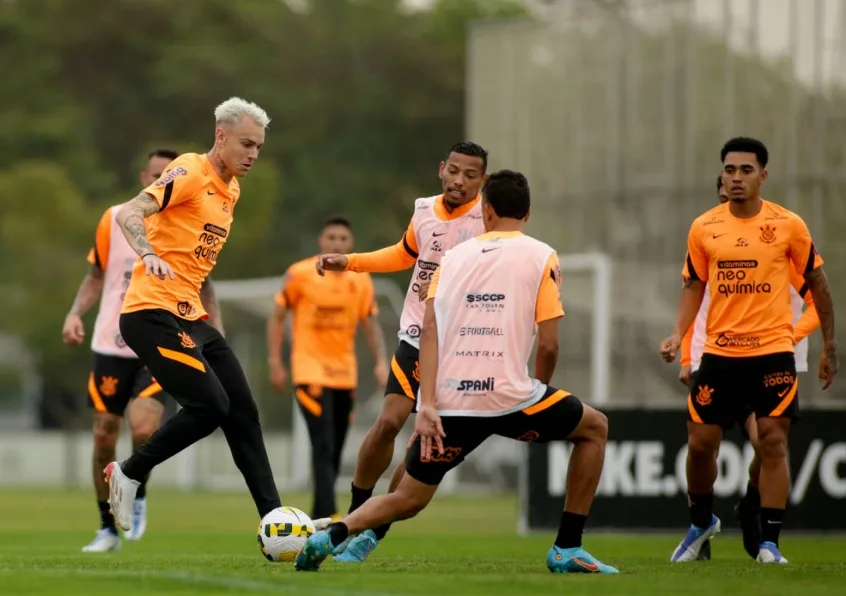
131 220
818 284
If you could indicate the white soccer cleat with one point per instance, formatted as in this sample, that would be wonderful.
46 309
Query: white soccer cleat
139 520
769 553
322 523
106 540
121 495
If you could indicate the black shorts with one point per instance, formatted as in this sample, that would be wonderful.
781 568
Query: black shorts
726 390
115 380
315 399
404 378
553 418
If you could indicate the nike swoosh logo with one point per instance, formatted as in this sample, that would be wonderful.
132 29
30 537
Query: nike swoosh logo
718 235
434 235
592 567
484 250
783 393
210 192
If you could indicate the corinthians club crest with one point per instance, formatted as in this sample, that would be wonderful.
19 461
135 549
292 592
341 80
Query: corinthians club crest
767 234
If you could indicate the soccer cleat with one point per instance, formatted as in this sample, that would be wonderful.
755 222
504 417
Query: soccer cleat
747 518
768 553
139 520
342 548
315 551
575 560
689 548
359 549
122 491
106 540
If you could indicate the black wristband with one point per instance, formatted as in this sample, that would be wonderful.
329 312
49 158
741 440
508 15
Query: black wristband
147 254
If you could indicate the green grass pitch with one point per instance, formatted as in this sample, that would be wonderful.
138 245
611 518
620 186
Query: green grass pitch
202 543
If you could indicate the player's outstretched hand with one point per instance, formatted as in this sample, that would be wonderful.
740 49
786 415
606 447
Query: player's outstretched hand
73 331
828 366
156 266
428 426
684 375
670 347
331 262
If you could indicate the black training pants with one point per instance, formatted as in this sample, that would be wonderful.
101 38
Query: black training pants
193 362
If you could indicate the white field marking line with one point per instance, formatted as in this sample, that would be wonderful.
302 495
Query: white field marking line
211 580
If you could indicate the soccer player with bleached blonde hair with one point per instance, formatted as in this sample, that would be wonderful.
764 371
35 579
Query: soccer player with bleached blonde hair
178 226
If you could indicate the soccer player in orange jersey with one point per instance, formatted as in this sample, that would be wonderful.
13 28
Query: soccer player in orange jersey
327 312
438 224
805 323
744 250
476 385
178 226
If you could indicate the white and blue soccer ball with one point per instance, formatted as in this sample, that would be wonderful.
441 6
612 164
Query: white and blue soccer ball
283 532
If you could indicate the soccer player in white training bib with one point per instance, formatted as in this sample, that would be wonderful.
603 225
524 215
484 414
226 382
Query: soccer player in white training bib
438 224
475 383
747 510
117 376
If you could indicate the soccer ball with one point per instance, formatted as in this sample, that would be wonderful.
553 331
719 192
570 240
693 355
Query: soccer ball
283 533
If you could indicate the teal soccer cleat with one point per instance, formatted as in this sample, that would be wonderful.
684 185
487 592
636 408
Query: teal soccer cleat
575 560
360 548
315 551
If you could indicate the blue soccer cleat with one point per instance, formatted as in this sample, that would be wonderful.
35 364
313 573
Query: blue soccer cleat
360 548
575 560
315 551
689 548
769 553
341 548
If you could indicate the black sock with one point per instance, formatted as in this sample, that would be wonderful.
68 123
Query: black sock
381 531
701 509
752 496
107 520
338 532
570 530
359 497
771 524
141 493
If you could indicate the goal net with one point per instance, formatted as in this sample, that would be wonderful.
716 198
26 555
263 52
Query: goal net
584 366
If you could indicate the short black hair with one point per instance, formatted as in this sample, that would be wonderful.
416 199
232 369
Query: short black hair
746 145
507 192
161 152
719 183
337 220
472 149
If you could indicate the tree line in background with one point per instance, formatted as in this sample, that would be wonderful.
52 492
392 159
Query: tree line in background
364 97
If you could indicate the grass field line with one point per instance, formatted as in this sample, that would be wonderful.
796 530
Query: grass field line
220 581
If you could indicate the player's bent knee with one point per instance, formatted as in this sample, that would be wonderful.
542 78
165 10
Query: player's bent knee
391 420
701 445
105 440
592 427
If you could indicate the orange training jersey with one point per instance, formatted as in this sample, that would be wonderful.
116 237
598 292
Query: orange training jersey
747 264
188 232
327 310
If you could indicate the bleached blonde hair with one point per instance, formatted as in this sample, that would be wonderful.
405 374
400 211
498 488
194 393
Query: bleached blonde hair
233 110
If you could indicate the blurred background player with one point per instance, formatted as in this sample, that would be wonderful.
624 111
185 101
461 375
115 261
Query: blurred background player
188 215
117 375
327 311
693 342
438 224
515 281
746 248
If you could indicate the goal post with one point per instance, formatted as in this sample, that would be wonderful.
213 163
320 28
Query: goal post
587 294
